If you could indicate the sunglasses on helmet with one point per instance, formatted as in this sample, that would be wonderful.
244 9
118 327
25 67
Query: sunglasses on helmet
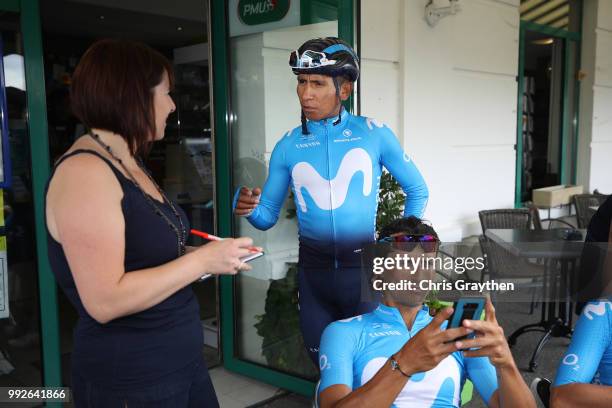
407 242
309 59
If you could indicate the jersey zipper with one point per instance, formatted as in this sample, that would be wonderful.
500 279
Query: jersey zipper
331 191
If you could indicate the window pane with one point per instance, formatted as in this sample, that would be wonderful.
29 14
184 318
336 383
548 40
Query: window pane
264 107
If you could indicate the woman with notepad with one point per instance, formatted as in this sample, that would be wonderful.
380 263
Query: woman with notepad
117 244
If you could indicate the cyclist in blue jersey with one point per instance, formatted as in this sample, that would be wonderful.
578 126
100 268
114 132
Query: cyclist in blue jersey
332 163
584 377
400 356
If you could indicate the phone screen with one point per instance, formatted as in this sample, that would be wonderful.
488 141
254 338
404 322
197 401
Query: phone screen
468 311
466 308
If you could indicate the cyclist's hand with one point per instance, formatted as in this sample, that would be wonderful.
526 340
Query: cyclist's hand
247 201
490 339
430 345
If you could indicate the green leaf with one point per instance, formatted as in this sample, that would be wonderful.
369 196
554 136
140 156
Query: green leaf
390 201
279 327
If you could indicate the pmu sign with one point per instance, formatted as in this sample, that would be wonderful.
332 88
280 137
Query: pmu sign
255 12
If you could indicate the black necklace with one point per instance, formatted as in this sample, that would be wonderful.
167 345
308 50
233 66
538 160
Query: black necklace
180 231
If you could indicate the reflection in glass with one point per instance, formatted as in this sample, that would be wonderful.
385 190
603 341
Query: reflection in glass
264 107
20 352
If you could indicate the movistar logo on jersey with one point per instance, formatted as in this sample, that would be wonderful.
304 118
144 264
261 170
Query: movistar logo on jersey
373 122
423 389
306 177
346 136
598 309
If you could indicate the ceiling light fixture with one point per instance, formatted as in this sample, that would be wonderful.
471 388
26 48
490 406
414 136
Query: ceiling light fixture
543 41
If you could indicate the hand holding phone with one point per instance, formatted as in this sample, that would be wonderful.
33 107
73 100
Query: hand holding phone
252 256
430 345
490 342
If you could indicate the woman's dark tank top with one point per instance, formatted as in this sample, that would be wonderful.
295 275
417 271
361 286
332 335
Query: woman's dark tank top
141 348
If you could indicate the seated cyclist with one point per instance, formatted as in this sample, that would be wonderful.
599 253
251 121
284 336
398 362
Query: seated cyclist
400 356
584 377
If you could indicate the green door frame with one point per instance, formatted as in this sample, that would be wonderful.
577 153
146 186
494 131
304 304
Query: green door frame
567 36
39 152
223 195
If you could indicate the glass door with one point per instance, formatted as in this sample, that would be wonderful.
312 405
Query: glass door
20 338
256 103
181 162
549 57
29 351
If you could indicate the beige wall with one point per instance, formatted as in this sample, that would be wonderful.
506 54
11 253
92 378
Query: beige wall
595 146
449 92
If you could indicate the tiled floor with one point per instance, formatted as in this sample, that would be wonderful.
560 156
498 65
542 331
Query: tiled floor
236 391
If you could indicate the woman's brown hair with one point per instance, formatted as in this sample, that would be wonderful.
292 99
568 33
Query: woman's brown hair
112 89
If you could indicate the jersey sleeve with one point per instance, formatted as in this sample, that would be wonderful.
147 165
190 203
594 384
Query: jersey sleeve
592 334
274 192
403 169
336 351
483 374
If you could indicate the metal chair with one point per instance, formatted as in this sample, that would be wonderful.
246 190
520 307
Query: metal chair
505 218
502 265
583 204
499 263
537 221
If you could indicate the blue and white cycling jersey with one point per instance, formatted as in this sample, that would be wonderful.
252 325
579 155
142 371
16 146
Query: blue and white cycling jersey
589 357
353 350
334 173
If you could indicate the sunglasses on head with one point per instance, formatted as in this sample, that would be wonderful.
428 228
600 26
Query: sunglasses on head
407 242
309 59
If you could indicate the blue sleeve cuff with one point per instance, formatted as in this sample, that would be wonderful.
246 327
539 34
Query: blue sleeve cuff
236 196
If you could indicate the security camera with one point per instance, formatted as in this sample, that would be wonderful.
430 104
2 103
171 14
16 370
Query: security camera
434 13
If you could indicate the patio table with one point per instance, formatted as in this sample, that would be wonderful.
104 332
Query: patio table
560 258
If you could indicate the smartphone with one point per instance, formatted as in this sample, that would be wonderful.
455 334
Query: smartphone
247 258
250 257
469 308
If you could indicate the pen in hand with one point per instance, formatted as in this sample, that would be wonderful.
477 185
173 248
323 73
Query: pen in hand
211 237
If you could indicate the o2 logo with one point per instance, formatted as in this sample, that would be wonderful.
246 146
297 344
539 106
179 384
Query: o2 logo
571 360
